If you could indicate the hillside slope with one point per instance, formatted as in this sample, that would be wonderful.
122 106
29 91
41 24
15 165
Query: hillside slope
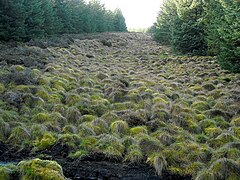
117 97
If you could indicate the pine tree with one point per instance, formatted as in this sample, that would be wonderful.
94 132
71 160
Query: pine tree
119 21
12 19
34 22
63 11
49 23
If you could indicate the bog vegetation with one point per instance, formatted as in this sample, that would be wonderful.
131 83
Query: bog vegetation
120 96
201 27
27 19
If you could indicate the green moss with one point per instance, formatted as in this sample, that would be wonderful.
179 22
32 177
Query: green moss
55 98
41 118
40 169
138 130
200 106
44 142
220 122
119 127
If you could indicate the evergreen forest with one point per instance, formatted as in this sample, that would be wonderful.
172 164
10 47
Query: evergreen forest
83 98
28 19
202 27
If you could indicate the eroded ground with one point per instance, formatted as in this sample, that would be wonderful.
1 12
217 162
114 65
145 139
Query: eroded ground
119 97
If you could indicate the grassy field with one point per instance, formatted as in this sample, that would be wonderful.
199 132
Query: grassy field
120 95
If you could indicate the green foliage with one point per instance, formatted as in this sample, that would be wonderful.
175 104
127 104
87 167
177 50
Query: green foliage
27 19
179 24
134 154
44 142
40 169
202 27
158 161
120 127
223 31
7 171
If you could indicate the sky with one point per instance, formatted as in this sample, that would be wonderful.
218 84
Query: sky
137 13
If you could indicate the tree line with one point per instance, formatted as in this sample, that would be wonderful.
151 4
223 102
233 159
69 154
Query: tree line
202 27
27 19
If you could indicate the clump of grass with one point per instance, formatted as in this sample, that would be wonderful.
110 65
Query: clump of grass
73 115
44 142
222 139
8 171
111 146
158 161
40 169
19 136
134 154
4 129
200 105
85 130
149 145
119 127
41 118
70 140
134 131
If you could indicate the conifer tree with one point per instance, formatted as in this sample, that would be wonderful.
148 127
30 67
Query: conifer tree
34 18
119 21
12 19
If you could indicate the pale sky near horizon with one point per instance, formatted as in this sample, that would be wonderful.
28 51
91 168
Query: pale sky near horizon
137 13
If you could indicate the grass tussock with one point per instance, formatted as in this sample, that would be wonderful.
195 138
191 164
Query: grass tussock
177 113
